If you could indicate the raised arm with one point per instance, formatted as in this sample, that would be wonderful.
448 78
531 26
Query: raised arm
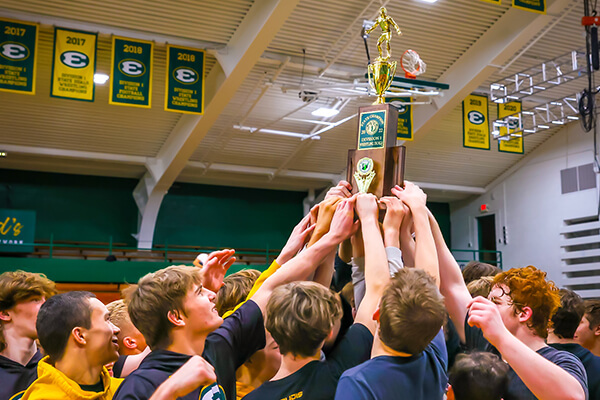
546 380
196 372
377 274
425 251
304 264
452 284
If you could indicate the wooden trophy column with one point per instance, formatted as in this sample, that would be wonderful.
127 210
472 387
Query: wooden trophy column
376 139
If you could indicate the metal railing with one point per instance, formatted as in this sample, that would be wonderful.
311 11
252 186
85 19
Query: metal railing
166 252
478 255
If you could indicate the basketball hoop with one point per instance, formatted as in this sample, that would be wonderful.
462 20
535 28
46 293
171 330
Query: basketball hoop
411 64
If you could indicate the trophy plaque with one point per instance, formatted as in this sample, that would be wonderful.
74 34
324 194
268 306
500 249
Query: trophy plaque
377 164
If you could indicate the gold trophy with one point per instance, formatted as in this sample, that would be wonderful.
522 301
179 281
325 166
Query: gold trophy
382 71
377 164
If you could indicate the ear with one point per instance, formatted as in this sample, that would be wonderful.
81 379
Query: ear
450 393
78 334
525 314
376 315
5 316
597 331
130 342
175 318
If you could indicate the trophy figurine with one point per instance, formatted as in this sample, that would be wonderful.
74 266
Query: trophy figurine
377 164
382 71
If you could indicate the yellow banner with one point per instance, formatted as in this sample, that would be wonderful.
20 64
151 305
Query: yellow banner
476 127
515 144
493 1
74 64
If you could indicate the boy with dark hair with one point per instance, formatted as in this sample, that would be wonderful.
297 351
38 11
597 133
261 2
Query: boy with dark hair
21 296
75 332
301 316
513 323
588 331
560 336
476 269
409 352
177 316
477 376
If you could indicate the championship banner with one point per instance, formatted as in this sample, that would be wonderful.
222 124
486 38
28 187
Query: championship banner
18 56
515 144
185 80
131 83
476 128
405 122
537 6
73 64
17 230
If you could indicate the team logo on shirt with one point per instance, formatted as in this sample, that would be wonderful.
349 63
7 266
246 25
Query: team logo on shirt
212 392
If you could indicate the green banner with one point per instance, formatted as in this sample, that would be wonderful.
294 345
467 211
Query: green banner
405 122
371 133
18 54
184 91
17 230
131 78
538 6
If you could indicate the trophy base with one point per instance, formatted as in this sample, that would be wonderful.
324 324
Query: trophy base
388 166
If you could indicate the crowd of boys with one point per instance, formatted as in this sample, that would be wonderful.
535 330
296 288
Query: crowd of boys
359 304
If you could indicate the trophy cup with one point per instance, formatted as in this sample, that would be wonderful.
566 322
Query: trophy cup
377 164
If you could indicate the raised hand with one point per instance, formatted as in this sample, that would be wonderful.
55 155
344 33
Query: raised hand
411 195
395 212
343 225
214 269
485 315
298 238
366 206
394 216
342 189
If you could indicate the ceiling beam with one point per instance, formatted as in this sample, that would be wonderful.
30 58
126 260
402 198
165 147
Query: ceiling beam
260 25
493 49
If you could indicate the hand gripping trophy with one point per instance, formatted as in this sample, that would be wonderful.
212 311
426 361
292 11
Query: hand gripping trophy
381 72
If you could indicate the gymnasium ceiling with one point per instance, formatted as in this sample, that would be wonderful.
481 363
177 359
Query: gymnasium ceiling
255 53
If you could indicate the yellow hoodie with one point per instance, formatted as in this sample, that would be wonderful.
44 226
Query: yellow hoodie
52 384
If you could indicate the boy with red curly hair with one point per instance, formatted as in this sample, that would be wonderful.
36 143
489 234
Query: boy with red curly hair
513 323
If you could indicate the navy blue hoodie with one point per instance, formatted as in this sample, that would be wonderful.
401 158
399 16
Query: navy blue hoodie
14 377
228 347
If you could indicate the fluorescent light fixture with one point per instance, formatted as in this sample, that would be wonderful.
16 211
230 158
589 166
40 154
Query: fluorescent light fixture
572 117
100 79
325 112
272 131
429 1
543 127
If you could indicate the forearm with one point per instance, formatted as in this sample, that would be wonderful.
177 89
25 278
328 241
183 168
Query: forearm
301 266
324 272
452 286
407 245
391 237
425 250
377 274
345 251
535 371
